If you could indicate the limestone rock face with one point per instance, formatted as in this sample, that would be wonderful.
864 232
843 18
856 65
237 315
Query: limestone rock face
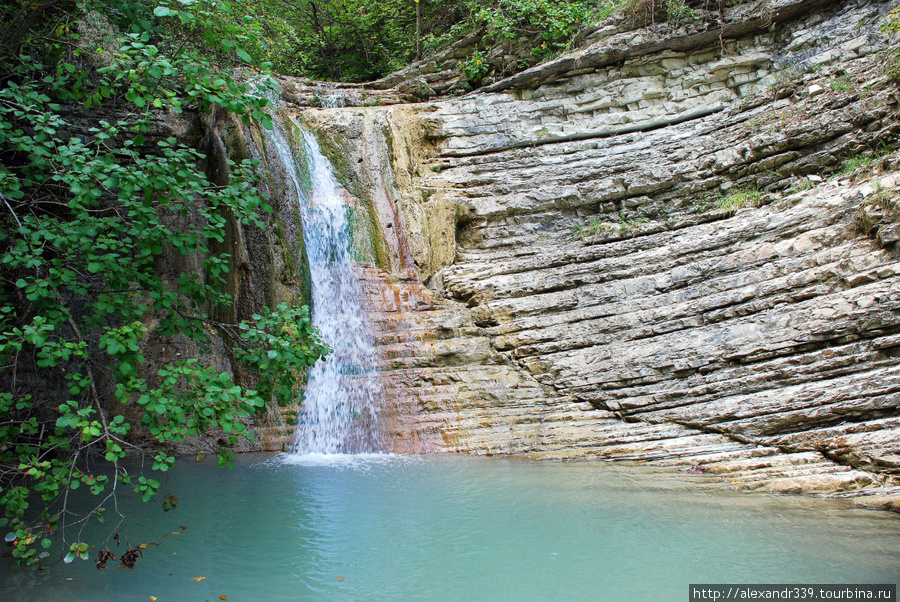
583 282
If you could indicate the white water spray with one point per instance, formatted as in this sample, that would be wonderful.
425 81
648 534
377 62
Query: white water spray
339 413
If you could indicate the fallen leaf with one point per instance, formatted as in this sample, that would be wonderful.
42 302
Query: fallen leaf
130 557
222 597
198 578
152 598
176 532
103 556
183 528
340 578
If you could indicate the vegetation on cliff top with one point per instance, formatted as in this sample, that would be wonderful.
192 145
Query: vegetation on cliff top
357 40
92 202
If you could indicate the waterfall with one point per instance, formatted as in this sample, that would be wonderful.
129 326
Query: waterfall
339 412
331 98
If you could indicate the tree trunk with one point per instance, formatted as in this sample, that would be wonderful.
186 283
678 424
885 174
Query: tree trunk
418 29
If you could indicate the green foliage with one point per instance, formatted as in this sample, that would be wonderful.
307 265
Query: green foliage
556 21
853 163
891 23
672 11
627 225
841 84
341 40
282 343
529 31
88 212
870 159
739 199
891 26
676 12
594 226
358 40
474 68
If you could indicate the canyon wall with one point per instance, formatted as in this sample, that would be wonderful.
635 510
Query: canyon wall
567 269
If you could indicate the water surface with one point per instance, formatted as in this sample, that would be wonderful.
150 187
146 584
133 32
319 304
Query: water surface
461 528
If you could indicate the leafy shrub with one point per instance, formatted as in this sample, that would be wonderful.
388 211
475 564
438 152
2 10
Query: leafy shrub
87 214
474 68
557 22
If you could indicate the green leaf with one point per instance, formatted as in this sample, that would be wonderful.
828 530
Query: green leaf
162 11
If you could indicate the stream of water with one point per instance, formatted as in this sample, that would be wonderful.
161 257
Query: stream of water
339 412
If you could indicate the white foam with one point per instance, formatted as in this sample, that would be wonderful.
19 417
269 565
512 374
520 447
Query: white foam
338 460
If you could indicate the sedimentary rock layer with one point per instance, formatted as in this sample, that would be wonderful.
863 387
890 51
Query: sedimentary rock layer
595 289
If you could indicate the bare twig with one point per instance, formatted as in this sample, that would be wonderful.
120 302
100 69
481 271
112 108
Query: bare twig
8 206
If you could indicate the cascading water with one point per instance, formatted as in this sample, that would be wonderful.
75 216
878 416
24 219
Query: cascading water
339 413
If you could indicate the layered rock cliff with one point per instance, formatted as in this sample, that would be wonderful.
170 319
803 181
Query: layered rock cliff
566 270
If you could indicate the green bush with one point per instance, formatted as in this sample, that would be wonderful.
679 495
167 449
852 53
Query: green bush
87 214
474 68
358 40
